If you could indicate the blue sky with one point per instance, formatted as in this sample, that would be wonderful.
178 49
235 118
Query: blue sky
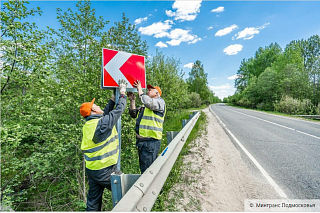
218 33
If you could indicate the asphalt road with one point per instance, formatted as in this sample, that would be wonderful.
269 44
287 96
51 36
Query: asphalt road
288 149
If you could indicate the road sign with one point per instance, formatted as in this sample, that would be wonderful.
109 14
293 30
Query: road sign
118 65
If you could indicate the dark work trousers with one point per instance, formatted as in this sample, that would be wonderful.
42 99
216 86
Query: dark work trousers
98 181
148 151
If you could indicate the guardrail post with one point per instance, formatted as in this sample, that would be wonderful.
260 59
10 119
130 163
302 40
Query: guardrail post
184 122
171 135
191 115
120 184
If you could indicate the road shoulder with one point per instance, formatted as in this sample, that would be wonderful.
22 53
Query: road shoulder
215 177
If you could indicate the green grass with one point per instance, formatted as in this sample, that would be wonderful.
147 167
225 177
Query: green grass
203 106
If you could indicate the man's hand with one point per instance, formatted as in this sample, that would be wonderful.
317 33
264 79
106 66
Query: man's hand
137 84
122 86
131 96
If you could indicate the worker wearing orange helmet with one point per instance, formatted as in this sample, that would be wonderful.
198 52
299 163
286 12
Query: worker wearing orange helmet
100 145
149 124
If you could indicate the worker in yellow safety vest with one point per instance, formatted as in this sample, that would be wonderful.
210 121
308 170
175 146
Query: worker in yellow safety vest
100 145
149 124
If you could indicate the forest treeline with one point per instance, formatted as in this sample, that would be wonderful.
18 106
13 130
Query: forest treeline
45 76
286 81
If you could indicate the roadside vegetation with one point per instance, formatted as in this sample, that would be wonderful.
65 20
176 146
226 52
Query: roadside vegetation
282 80
279 113
45 76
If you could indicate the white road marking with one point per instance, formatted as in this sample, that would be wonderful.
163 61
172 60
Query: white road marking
275 124
265 174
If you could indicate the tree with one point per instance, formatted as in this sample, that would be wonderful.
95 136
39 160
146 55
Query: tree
311 55
250 97
77 62
23 58
267 88
165 72
244 74
24 74
198 81
272 74
264 57
124 37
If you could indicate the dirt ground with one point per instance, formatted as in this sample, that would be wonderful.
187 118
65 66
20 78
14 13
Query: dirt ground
215 177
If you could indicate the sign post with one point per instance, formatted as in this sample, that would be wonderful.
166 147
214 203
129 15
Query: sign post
116 93
118 65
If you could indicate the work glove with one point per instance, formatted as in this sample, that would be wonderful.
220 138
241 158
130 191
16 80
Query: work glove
122 86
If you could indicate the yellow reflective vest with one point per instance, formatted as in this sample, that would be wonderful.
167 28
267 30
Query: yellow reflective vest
100 155
151 124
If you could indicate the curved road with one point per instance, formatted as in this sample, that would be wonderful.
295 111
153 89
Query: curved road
288 149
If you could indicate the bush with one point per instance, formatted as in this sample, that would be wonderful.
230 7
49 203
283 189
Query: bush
245 102
194 100
234 99
293 106
265 106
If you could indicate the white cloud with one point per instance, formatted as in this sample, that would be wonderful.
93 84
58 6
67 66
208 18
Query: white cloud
210 28
233 77
170 13
157 29
185 10
195 40
161 44
218 10
189 65
161 34
139 20
249 32
179 35
233 49
226 30
174 42
225 86
214 78
223 90
162 29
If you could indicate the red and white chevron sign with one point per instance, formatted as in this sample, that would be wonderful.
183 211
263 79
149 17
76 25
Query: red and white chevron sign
118 65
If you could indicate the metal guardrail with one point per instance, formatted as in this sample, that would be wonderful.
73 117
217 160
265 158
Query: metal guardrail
144 192
308 116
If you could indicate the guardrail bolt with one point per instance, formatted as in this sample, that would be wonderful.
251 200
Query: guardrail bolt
145 209
115 181
151 172
141 184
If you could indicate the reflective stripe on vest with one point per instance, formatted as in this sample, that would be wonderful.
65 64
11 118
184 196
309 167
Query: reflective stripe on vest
151 125
100 155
